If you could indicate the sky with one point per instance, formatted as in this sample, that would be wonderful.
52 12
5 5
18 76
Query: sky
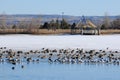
69 7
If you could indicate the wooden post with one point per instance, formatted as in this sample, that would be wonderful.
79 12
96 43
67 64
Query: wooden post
94 31
71 31
98 31
82 32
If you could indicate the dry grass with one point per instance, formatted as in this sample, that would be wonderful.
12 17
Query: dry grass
58 31
45 31
110 31
35 31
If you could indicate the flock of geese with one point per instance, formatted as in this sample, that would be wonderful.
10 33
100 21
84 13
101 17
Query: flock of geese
69 56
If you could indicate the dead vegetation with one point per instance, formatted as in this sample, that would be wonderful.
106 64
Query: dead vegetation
115 31
46 31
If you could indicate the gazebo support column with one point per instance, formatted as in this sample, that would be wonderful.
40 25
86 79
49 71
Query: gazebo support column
82 31
98 31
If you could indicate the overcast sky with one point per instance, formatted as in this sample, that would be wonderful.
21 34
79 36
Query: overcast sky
69 7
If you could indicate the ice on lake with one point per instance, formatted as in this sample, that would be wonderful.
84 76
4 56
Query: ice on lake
60 41
56 71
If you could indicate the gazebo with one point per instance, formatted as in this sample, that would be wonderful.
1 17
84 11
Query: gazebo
86 27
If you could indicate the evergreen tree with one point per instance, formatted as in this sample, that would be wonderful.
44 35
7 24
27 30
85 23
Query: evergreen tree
57 25
73 26
64 24
45 25
14 26
52 24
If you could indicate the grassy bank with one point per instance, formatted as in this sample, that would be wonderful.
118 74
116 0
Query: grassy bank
45 31
35 31
110 31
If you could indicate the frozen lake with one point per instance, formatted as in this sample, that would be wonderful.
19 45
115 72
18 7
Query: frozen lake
56 71
60 41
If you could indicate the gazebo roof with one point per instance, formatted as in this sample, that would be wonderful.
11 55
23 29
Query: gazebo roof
88 24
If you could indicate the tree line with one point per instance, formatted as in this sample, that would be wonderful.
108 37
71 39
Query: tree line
35 23
107 24
56 24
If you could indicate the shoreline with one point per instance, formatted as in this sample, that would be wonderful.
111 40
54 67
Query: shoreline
51 32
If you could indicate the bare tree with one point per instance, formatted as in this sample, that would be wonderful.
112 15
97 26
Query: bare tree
106 22
22 25
34 24
3 22
116 23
